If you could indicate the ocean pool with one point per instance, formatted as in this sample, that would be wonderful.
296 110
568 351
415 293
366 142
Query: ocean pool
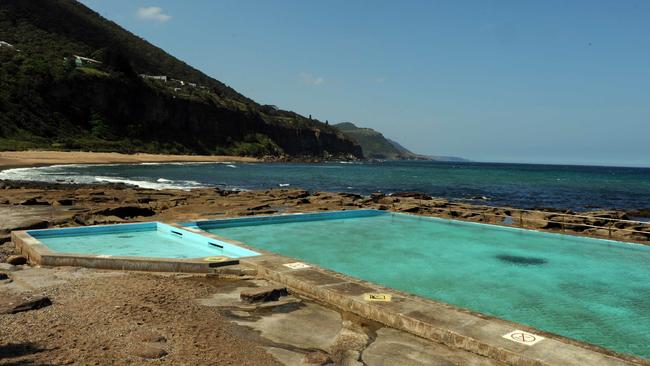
593 290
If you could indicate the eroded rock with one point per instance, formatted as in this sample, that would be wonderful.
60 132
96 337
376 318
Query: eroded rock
16 304
16 260
263 294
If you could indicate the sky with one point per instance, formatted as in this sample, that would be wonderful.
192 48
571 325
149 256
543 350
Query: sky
512 81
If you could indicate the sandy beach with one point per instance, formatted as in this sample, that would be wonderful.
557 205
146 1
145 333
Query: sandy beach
14 159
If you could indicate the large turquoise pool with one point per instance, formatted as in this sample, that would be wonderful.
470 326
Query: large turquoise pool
597 291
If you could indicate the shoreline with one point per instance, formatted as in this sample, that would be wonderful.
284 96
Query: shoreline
40 158
107 203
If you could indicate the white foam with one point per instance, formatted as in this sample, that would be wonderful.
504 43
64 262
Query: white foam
187 184
231 166
62 174
284 184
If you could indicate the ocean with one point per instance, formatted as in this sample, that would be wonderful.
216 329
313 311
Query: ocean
519 185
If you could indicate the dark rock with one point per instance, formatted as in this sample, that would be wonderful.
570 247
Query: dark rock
30 224
410 209
17 304
259 207
16 260
127 212
3 276
34 201
263 294
297 194
416 195
377 196
351 195
264 212
65 202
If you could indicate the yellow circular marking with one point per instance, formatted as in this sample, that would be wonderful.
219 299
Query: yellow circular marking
217 258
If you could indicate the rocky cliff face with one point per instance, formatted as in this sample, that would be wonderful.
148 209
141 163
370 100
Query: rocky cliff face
199 125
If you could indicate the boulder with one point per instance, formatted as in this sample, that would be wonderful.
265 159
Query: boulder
16 260
263 294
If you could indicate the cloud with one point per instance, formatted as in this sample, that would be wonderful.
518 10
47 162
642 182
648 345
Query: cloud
153 13
310 79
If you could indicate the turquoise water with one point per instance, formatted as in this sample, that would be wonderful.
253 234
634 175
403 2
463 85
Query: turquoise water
140 240
592 290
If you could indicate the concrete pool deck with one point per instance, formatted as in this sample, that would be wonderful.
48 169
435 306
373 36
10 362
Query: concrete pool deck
454 327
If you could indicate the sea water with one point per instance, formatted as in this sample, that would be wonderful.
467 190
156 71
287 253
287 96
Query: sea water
518 185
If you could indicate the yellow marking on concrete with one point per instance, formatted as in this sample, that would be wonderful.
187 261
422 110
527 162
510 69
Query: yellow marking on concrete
217 258
377 297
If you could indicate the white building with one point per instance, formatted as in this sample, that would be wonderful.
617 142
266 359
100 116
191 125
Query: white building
80 61
154 77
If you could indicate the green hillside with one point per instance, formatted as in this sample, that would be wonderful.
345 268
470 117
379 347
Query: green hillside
373 143
51 99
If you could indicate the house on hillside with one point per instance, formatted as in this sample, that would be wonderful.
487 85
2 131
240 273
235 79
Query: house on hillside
162 78
84 61
8 46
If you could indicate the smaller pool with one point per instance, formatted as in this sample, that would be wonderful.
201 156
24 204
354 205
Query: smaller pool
150 239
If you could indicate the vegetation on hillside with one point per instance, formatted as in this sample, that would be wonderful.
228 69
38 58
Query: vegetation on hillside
373 143
50 99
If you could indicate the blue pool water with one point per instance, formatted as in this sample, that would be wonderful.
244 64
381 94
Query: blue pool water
592 290
152 239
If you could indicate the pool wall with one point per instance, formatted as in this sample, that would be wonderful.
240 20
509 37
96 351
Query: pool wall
27 243
276 219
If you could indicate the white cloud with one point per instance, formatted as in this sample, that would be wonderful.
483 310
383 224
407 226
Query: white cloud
311 79
153 13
